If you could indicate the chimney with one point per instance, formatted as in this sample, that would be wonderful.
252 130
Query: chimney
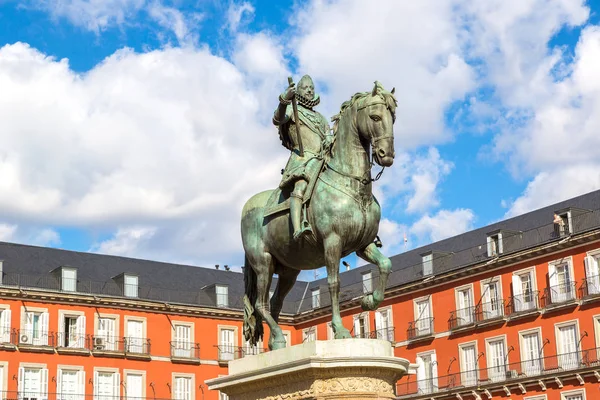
346 265
216 266
226 267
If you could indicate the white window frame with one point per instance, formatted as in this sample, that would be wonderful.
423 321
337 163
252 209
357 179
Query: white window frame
192 378
468 313
537 397
540 355
131 289
495 240
288 338
227 348
420 324
596 319
461 361
127 372
564 395
114 345
330 333
44 335
135 344
557 326
306 331
483 287
389 333
222 295
499 376
367 281
534 286
592 261
182 348
427 264
552 265
72 286
3 377
81 378
366 317
434 371
315 298
42 367
5 319
109 370
62 315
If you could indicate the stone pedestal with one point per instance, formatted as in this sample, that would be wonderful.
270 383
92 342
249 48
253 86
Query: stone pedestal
323 370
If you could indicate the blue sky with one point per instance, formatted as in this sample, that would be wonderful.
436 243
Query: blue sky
138 127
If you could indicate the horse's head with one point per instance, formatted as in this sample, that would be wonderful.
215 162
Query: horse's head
375 116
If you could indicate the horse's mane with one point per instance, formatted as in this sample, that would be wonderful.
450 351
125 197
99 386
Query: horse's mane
388 97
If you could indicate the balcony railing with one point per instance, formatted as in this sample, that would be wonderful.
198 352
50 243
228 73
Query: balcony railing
523 303
420 328
137 345
106 344
559 294
461 318
35 337
252 350
41 395
590 287
229 353
185 350
70 340
8 336
490 310
383 334
500 373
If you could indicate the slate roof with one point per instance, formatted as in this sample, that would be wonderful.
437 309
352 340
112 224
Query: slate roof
32 265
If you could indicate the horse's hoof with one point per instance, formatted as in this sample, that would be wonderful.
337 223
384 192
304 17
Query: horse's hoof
276 345
368 303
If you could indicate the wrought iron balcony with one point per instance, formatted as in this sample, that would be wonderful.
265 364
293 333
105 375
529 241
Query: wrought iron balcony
521 371
383 334
252 350
420 328
523 303
590 287
229 353
489 311
43 395
461 318
106 344
8 337
559 294
35 338
70 340
137 346
185 350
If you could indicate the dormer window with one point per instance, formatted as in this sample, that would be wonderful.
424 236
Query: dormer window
222 293
494 244
367 279
316 298
68 279
130 285
562 223
427 264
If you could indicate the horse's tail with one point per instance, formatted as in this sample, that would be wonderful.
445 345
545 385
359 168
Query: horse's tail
253 321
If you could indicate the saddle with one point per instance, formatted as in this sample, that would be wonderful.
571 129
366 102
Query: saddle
279 201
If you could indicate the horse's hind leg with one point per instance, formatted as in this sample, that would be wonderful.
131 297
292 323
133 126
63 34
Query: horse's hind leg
333 253
263 283
372 254
287 278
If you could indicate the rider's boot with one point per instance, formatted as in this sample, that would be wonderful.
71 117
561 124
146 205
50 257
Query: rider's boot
300 227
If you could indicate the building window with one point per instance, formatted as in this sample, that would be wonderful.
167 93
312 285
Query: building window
106 334
531 353
70 384
316 298
492 305
309 334
3 368
361 326
33 382
468 364
464 306
427 264
222 293
573 395
592 274
106 385
130 283
423 320
330 333
68 279
367 279
182 341
494 245
524 296
223 396
562 286
135 336
427 373
72 331
288 338
227 344
134 386
497 359
384 325
34 330
562 223
183 388
567 346
5 318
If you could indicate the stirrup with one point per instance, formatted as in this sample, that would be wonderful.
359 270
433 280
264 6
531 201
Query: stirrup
300 233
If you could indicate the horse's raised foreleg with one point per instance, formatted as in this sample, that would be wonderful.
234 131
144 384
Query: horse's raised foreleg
263 283
333 253
287 278
372 254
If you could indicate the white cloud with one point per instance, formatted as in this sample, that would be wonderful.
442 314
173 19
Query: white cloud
93 15
7 232
29 235
169 140
443 224
392 234
425 177
176 21
235 12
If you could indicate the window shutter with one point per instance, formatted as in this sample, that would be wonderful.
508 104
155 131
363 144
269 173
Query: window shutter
28 322
59 383
21 382
81 331
489 246
44 384
178 388
421 384
116 384
517 292
44 329
553 278
378 320
96 385
81 384
500 245
591 273
5 326
434 370
356 326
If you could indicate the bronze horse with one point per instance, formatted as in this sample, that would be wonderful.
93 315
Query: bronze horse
342 211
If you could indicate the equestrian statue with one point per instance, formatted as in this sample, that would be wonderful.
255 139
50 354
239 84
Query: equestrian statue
324 208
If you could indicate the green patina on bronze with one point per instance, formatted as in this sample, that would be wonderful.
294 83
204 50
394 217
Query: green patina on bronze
327 189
